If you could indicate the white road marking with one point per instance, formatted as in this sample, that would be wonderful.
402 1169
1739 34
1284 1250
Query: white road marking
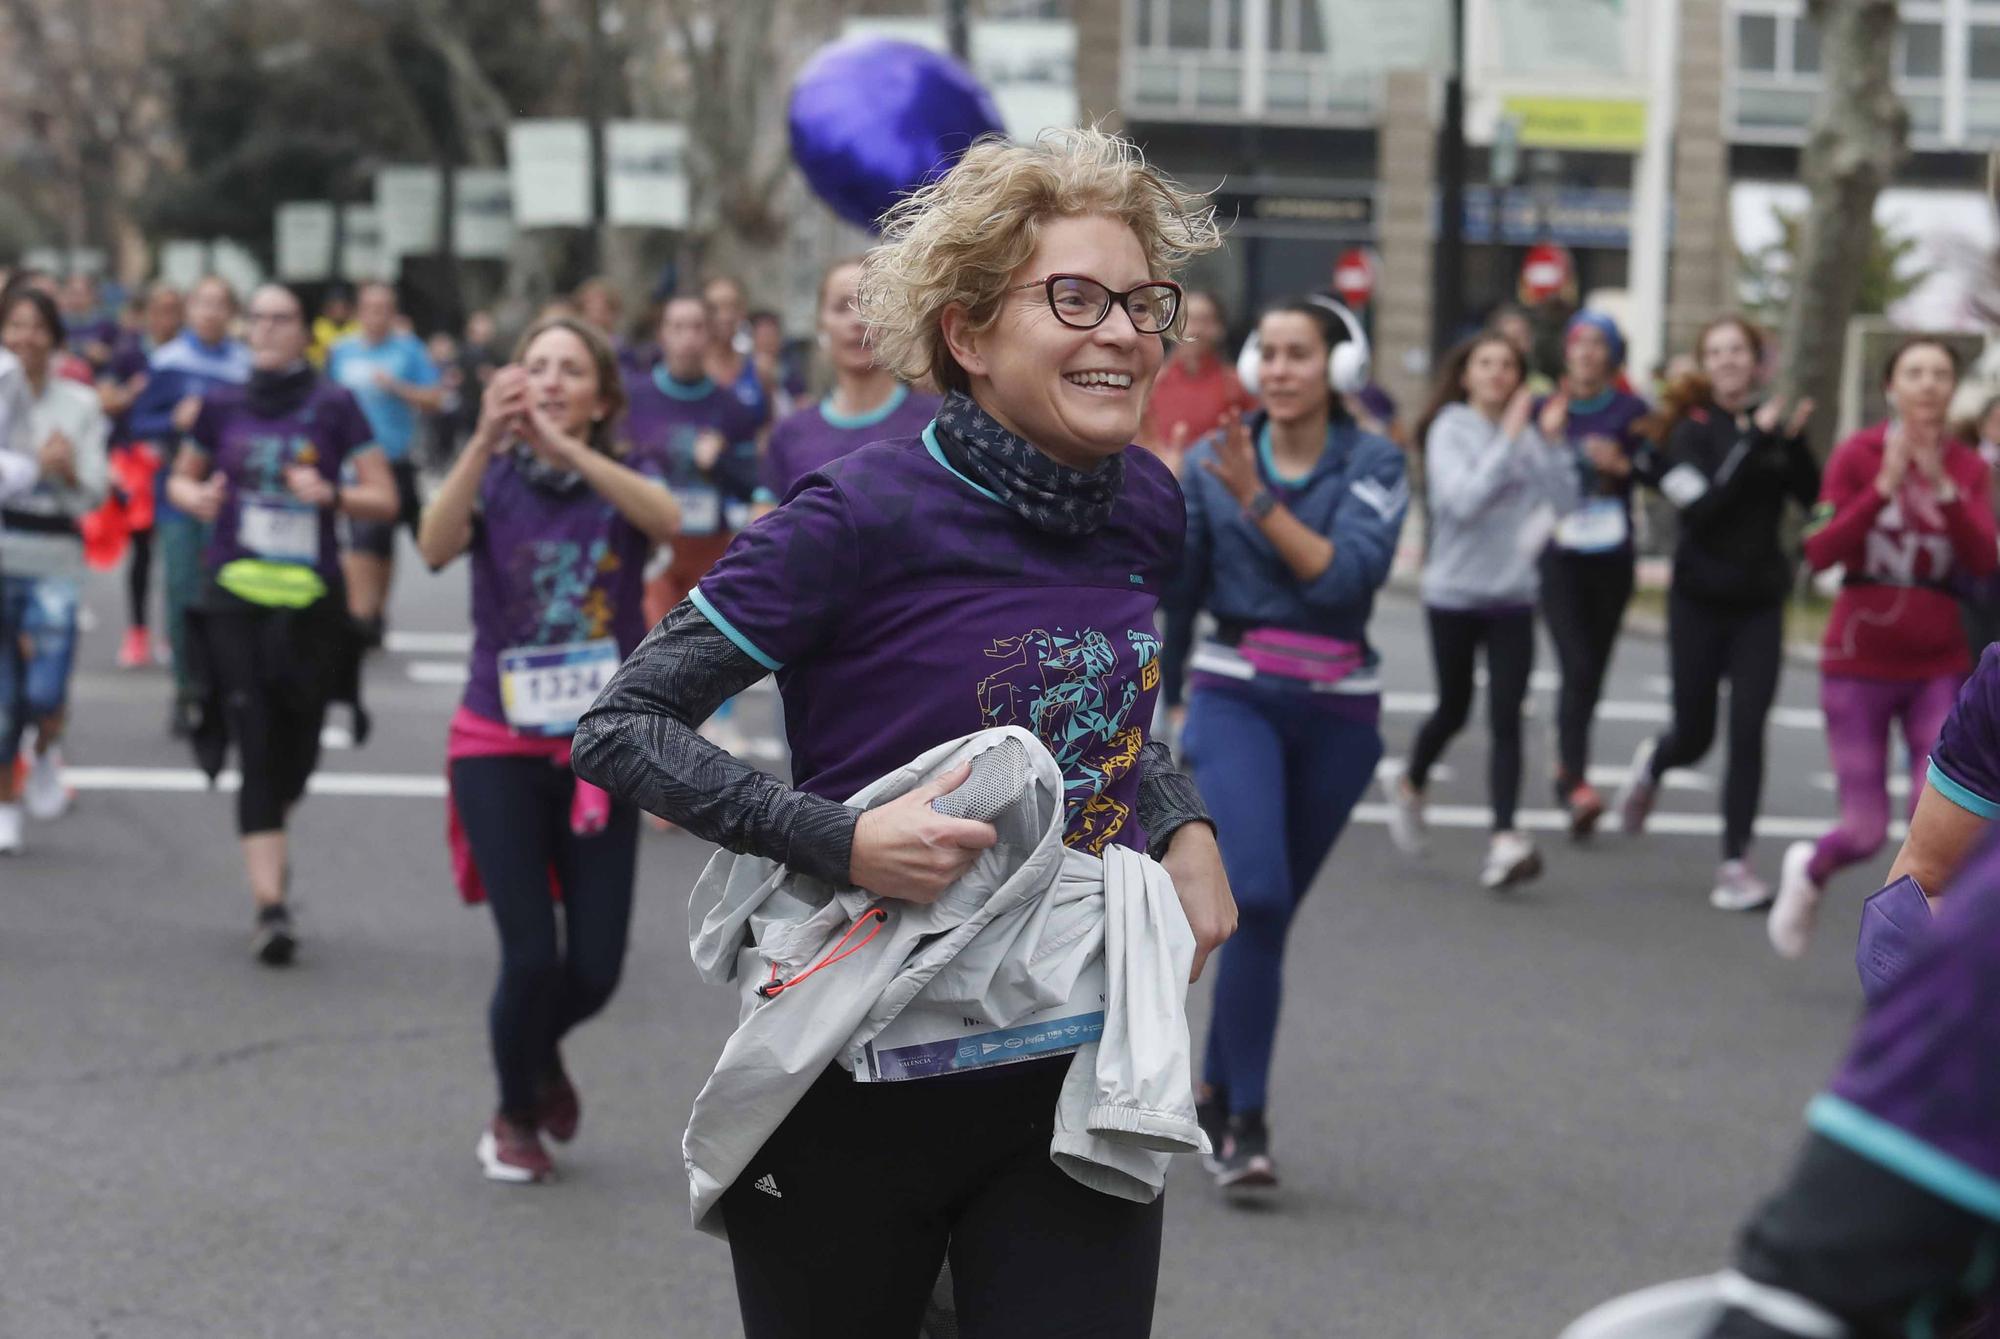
428 643
1606 775
452 672
1645 713
406 786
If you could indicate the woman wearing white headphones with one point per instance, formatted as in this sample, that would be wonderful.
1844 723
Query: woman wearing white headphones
1292 523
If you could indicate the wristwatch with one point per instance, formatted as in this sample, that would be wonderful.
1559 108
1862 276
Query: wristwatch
1261 504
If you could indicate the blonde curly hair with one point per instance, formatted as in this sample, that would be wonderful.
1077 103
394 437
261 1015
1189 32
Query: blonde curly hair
961 238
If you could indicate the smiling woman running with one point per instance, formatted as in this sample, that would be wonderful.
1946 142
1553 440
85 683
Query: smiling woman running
1001 568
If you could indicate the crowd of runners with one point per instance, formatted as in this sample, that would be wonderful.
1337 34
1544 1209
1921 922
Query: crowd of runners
931 523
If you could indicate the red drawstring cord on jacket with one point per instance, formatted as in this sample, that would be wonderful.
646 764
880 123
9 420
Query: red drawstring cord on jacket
774 987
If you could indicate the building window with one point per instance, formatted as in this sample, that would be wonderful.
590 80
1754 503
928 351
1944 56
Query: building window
1757 43
1805 46
1982 61
1923 51
1188 25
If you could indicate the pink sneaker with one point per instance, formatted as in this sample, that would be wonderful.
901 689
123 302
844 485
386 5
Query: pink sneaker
513 1153
136 651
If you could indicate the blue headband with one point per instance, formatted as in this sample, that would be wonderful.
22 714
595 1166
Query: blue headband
1614 338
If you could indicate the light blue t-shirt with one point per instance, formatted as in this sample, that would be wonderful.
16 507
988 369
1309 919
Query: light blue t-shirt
354 363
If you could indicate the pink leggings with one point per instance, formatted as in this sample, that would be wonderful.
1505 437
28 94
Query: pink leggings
1858 714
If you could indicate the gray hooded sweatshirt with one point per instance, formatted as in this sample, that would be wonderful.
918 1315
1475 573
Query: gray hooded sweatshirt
1493 503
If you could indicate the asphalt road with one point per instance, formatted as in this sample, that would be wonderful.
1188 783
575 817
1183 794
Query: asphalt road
1491 1112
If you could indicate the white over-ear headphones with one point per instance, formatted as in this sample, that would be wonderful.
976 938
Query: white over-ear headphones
1346 366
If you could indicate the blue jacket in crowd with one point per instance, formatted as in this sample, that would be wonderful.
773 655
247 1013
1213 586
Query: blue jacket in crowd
1357 496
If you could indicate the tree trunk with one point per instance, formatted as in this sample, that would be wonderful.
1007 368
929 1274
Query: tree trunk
1859 131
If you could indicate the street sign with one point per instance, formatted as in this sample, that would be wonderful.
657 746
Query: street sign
1354 277
549 162
305 231
646 179
1547 271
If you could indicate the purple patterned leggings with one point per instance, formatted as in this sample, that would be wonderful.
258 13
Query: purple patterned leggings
1858 715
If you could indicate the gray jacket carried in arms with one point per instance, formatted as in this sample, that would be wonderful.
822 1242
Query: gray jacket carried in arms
825 969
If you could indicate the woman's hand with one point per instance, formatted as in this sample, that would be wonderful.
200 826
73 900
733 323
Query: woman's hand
908 851
708 448
204 500
549 441
311 487
186 411
1606 456
1895 462
503 407
1194 863
1554 421
1235 462
57 458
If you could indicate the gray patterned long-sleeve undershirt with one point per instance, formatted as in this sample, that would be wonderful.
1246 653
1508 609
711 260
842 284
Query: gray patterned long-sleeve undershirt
639 741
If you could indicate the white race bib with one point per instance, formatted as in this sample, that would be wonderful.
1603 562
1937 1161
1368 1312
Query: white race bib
546 689
279 529
1598 526
926 1040
701 509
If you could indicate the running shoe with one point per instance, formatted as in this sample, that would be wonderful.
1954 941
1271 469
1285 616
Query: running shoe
275 941
1211 1113
1641 788
136 651
1585 807
1406 812
1246 1155
44 794
10 829
558 1110
1737 888
1510 859
513 1153
1792 916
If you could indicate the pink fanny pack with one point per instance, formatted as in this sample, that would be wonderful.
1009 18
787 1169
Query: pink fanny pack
1301 655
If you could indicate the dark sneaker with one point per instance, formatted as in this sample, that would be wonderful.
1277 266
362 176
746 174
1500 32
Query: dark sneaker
1246 1155
559 1109
1212 1114
513 1153
275 942
1585 806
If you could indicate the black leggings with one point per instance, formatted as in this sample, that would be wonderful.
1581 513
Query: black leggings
1510 657
516 817
139 577
274 706
1583 599
1705 643
868 1186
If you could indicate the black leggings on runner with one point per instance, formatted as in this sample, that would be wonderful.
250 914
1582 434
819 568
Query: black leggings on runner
139 577
516 817
1583 600
1456 635
273 704
1706 643
838 1226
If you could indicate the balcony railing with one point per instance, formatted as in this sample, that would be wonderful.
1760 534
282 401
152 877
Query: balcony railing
1298 89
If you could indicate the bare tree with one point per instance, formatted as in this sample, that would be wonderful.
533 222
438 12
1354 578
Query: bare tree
1858 136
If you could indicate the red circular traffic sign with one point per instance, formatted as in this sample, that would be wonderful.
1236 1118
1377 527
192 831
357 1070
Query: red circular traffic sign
1547 271
1354 277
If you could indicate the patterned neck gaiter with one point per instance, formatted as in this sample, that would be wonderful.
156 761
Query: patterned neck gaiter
1049 496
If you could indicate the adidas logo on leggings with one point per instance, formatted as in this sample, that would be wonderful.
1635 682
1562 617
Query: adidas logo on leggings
769 1185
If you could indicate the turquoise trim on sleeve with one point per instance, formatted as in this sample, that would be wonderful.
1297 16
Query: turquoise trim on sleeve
1961 794
868 419
681 390
728 629
937 454
1901 1152
764 496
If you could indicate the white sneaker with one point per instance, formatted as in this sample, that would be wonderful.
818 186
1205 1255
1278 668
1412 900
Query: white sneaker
10 829
1510 858
1791 922
44 795
1406 813
1737 888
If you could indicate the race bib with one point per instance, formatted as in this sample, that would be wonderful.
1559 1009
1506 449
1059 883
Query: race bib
701 509
1598 526
926 1040
546 689
280 530
735 514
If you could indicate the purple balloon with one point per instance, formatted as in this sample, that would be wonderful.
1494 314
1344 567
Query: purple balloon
874 119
